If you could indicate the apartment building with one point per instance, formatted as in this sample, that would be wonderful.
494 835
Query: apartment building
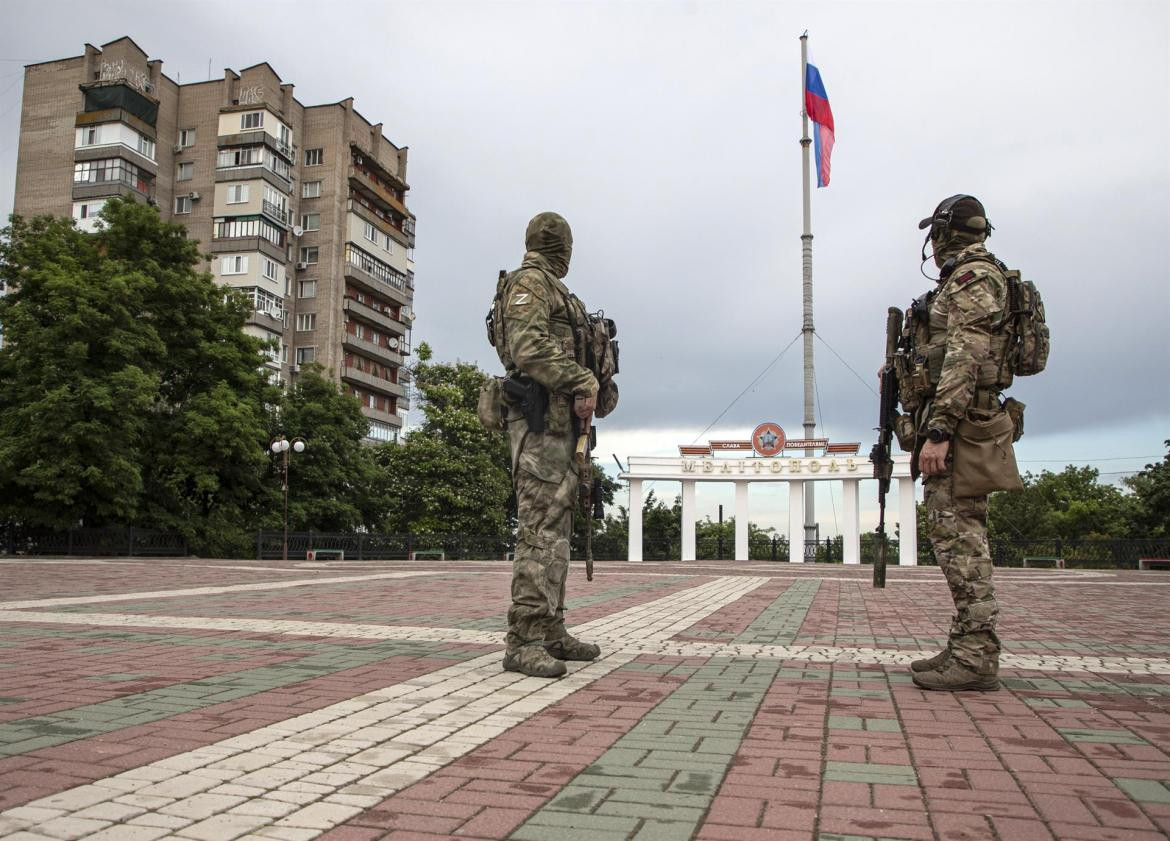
303 208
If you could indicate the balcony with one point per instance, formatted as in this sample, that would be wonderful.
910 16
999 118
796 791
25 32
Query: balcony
362 181
374 351
378 384
375 276
275 212
392 418
373 316
270 320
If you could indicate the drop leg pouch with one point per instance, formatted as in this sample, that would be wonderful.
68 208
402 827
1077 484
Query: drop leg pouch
984 459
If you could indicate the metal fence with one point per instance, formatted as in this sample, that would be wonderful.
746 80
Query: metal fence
1115 554
110 541
361 546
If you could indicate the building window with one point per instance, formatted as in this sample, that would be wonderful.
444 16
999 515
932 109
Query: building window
269 269
308 254
182 204
91 136
370 233
284 353
311 221
306 321
389 244
243 156
314 157
311 190
234 264
247 226
185 172
145 146
251 120
306 355
187 137
382 432
237 193
307 289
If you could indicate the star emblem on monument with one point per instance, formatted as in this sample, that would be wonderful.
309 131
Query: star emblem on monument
768 440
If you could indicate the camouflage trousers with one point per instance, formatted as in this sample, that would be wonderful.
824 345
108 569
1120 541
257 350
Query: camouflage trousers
545 480
958 534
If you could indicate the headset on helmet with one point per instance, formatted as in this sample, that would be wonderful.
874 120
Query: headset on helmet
950 215
960 212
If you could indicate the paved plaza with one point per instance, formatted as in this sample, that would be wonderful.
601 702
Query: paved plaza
213 700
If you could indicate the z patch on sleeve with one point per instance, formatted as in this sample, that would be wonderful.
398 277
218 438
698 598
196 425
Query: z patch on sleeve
521 298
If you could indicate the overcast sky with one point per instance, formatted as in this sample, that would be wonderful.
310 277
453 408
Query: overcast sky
667 134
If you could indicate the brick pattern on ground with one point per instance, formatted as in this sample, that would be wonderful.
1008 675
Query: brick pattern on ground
218 700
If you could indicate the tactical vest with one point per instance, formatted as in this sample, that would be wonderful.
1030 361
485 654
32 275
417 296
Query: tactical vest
592 337
1019 340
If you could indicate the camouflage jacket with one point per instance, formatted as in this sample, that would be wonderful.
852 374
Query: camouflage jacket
538 332
966 323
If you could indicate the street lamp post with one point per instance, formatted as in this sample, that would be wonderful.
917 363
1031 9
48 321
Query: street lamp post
280 446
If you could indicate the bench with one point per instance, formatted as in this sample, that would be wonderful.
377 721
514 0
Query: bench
1148 563
437 554
325 555
1057 563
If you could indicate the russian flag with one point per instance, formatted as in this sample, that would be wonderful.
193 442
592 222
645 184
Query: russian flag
816 105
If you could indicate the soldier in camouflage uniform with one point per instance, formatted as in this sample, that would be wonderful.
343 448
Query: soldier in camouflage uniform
539 316
957 330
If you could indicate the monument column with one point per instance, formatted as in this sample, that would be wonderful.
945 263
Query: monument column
688 519
741 521
908 524
796 522
635 551
851 536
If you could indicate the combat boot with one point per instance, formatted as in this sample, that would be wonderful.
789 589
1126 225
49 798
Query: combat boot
955 676
534 661
569 647
928 664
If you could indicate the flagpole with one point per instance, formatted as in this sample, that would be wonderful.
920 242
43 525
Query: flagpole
810 517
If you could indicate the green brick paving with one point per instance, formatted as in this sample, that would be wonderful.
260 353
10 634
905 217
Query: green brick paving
1085 687
1146 791
28 734
1102 737
779 621
658 780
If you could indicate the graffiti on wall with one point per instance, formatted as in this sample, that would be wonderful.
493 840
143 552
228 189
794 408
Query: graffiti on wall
118 70
252 96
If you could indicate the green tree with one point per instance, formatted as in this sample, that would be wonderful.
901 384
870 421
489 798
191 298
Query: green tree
334 485
76 379
1069 505
450 475
1151 492
204 451
128 393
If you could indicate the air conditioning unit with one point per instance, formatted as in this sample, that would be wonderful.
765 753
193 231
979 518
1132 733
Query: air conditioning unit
302 266
179 147
193 196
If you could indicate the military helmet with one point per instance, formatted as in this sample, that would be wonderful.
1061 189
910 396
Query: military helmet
957 213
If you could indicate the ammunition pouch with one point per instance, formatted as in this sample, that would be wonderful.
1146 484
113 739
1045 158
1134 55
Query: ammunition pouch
984 459
905 432
530 397
1015 410
491 405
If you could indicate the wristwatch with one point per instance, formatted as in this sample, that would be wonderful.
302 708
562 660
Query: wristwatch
937 436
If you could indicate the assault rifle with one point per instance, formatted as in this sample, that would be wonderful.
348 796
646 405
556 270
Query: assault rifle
883 461
589 488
